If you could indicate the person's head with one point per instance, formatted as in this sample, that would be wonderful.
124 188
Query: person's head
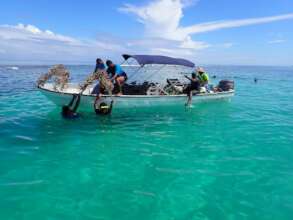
193 75
109 63
99 61
103 109
66 111
200 70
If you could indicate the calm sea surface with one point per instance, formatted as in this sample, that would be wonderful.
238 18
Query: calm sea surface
218 160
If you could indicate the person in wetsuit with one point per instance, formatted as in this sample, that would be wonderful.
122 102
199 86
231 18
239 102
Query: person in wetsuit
103 108
194 86
69 113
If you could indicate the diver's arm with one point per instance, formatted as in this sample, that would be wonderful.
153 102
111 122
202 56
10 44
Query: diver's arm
187 77
76 104
71 102
111 105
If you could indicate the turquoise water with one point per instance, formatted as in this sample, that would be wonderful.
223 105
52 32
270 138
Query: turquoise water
218 160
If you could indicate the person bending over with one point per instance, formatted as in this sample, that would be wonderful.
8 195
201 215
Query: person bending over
99 66
116 74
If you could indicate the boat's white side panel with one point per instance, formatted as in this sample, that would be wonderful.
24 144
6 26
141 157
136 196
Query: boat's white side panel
127 101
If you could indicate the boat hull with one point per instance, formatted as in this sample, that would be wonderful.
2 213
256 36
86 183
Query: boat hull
128 101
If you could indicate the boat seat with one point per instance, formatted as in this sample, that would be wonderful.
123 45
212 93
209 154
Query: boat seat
174 87
136 89
156 89
174 82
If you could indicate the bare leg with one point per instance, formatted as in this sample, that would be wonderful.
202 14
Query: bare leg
189 99
120 81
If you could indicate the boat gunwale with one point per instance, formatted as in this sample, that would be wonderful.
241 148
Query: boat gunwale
138 96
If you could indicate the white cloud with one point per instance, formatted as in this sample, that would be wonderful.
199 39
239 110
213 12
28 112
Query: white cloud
161 19
32 33
188 43
164 34
218 25
28 43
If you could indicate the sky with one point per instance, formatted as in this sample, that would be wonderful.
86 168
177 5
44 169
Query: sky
227 32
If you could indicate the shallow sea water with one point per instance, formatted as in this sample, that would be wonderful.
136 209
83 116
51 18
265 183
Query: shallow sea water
219 160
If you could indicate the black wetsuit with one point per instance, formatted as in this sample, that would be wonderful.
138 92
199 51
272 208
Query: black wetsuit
67 112
194 85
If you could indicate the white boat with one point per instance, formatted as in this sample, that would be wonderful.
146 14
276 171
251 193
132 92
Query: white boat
125 101
151 99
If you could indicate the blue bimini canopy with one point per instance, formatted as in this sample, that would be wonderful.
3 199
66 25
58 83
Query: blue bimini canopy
155 59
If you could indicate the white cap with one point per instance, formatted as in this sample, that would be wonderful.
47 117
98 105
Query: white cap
200 70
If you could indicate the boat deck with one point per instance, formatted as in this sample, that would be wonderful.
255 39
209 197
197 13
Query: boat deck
74 89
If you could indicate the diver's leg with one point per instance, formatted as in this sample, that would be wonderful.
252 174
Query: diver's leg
189 98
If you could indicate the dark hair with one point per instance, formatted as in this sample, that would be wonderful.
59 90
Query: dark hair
99 60
65 111
103 109
109 62
193 75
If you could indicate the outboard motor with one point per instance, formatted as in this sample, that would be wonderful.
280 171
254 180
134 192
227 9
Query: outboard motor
226 85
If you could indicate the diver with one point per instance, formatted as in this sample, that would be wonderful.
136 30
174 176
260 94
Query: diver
69 113
103 108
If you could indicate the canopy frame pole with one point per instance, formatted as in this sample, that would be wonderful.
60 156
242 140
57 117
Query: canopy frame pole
151 75
158 85
136 72
124 61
